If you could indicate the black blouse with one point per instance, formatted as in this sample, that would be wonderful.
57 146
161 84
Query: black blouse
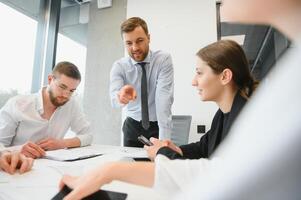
220 127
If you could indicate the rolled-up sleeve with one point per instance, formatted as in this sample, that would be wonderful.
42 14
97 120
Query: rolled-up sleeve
81 126
165 97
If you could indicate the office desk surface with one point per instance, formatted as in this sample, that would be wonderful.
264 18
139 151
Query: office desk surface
42 181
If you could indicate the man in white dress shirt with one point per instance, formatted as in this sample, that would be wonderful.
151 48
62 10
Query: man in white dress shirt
38 122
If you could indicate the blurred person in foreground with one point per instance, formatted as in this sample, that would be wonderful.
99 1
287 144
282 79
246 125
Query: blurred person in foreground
261 155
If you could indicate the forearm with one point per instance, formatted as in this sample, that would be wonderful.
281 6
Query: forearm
195 150
139 173
72 142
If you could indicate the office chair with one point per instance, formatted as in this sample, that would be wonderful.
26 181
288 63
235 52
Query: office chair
181 128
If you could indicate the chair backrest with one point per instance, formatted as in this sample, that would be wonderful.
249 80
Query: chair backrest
181 128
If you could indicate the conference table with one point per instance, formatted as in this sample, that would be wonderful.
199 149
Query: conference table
43 180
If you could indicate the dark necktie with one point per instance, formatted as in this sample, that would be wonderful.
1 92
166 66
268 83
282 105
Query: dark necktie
144 98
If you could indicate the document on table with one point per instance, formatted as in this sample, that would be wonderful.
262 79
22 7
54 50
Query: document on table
74 154
71 154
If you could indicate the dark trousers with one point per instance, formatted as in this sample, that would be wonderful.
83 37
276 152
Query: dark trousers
132 129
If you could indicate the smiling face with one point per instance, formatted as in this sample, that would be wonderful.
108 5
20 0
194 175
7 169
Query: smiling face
137 43
207 83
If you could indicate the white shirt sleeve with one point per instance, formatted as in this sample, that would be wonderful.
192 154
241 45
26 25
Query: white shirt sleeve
172 176
81 126
8 123
116 83
164 98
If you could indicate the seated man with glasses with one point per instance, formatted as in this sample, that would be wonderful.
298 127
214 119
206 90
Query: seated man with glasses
38 122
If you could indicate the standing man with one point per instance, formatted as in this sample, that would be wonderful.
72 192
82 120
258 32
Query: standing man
38 122
143 82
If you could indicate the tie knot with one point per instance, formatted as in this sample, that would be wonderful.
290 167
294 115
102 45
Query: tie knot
142 64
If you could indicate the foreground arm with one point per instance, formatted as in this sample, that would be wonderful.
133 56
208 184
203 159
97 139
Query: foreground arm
140 173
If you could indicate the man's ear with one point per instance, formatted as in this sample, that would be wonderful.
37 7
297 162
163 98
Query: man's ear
50 78
226 76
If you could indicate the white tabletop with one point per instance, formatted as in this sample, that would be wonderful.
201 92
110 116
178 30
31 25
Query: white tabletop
42 181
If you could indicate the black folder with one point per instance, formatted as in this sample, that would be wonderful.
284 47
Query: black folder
100 194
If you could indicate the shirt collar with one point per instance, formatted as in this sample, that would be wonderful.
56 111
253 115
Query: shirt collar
146 60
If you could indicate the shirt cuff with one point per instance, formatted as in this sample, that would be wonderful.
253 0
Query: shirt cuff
12 148
164 133
115 102
85 139
1 147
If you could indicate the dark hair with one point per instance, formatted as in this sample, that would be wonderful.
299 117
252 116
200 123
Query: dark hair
225 54
130 24
68 69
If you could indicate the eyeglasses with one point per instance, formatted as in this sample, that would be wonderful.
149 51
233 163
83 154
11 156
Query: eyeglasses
63 88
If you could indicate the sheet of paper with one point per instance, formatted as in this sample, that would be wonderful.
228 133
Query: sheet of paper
133 152
71 154
74 153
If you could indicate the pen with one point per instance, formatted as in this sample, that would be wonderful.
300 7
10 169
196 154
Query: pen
84 157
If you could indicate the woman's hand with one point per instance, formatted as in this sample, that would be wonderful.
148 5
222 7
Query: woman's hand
86 184
158 144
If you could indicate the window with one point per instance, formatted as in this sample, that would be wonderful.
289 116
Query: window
72 36
17 39
71 51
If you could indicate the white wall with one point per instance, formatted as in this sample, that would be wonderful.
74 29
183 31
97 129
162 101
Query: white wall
181 28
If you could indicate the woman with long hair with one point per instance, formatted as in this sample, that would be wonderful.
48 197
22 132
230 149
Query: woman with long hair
222 76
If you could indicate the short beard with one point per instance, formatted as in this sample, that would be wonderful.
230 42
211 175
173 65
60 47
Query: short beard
53 99
143 56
